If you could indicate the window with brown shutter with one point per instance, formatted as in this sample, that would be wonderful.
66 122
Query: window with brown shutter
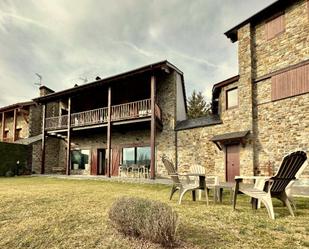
290 83
275 26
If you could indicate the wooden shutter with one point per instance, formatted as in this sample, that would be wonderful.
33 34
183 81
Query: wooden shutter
275 26
290 83
115 161
94 162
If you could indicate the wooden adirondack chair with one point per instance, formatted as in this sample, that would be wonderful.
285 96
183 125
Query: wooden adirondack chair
182 186
288 189
274 186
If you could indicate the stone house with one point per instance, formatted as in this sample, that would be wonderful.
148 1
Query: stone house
102 127
258 116
14 121
262 113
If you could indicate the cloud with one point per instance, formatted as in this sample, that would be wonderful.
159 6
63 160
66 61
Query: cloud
4 15
103 38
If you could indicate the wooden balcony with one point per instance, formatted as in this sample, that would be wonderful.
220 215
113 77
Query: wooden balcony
123 112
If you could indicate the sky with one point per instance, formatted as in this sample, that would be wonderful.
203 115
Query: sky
71 42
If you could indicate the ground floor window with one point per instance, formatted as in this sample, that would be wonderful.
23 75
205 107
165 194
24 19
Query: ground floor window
136 155
80 159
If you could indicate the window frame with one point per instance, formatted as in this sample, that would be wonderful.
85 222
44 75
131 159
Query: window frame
135 147
82 160
227 107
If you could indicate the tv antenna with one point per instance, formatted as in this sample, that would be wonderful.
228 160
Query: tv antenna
40 79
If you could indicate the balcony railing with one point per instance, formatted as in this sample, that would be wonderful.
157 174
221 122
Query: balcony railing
132 110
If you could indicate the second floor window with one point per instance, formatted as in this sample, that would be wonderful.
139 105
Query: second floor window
232 98
275 26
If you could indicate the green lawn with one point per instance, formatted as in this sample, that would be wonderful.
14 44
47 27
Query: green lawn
44 213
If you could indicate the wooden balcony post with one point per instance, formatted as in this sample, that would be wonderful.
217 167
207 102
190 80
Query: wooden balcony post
68 166
3 126
14 125
152 126
43 139
109 132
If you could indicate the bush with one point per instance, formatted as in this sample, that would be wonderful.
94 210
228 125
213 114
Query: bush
9 173
151 220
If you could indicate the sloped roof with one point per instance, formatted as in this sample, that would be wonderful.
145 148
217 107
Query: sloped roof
198 122
77 89
230 136
29 140
16 105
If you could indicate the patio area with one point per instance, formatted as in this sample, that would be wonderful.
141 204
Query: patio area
54 212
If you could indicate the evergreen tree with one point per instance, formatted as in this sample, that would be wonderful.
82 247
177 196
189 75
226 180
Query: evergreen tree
197 105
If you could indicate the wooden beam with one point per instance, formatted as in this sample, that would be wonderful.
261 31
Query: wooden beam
14 125
3 126
152 126
109 98
43 139
68 164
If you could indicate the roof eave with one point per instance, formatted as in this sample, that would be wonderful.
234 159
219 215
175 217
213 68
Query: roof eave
263 14
107 80
16 105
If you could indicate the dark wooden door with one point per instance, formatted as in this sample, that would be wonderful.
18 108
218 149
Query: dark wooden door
232 162
94 162
115 161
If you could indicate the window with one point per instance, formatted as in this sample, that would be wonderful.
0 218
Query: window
290 83
232 98
128 156
143 155
136 155
80 159
275 26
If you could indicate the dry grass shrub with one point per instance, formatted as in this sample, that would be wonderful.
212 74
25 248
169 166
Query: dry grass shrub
151 220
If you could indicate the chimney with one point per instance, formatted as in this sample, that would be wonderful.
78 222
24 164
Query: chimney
44 90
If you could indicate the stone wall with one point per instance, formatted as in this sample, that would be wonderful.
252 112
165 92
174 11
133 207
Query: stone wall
281 126
52 154
36 157
194 145
166 139
35 120
9 121
22 124
289 47
277 128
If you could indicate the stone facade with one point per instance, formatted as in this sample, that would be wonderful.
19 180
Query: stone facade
166 139
22 123
281 126
277 128
55 159
288 48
